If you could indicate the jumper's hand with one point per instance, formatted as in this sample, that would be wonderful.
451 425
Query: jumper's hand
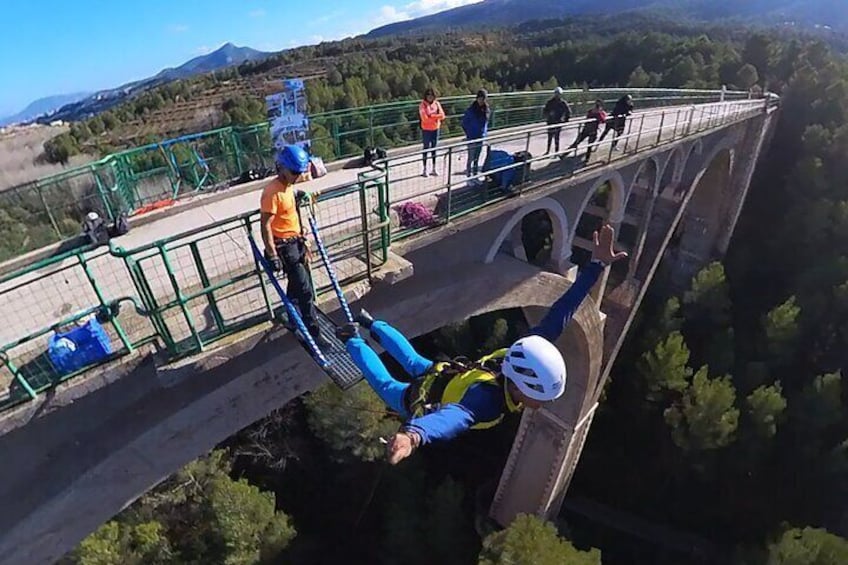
401 446
603 250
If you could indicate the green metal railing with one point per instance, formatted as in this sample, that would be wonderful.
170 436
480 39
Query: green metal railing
51 209
184 292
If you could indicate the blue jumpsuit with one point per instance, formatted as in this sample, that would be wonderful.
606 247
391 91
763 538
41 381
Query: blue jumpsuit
481 403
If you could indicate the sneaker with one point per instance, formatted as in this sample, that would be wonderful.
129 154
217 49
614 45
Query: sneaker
424 174
434 173
364 319
347 331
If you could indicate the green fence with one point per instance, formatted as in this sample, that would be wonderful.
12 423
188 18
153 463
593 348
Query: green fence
51 209
184 292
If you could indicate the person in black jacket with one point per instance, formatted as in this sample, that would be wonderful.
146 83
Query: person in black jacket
556 111
623 108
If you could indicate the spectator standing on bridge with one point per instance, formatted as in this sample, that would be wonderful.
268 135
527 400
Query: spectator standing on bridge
286 246
623 108
447 399
596 116
432 115
556 111
475 124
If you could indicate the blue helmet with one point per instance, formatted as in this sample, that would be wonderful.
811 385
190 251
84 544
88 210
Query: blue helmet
293 158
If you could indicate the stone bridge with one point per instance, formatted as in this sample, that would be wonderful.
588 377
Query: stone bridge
87 448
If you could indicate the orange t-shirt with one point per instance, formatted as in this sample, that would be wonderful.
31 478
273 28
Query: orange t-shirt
278 199
431 115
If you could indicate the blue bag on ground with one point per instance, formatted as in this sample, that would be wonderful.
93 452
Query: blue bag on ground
82 346
497 159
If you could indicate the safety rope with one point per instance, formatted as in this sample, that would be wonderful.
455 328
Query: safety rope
290 309
313 225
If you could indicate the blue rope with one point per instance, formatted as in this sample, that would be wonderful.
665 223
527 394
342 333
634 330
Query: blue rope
290 309
313 224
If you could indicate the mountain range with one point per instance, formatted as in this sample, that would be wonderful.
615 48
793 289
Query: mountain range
806 13
77 106
42 106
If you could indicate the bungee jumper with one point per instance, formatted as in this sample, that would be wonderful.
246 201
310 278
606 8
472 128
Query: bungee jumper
447 399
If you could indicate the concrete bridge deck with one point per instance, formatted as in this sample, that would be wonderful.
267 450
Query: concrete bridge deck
154 415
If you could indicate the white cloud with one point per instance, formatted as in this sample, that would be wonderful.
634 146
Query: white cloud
390 14
260 13
178 28
316 39
203 50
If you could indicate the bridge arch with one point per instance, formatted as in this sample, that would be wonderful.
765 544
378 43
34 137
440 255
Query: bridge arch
604 202
694 242
510 236
672 172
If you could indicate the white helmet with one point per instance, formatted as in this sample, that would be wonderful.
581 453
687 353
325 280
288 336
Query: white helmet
536 367
558 90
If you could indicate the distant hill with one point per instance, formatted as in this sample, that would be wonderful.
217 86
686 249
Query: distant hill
42 106
806 13
228 55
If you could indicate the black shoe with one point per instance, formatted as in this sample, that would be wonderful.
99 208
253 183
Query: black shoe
347 331
365 319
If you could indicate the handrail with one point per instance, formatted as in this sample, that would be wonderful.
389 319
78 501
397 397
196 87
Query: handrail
172 279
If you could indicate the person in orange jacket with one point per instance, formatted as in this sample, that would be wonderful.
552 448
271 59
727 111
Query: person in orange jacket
432 115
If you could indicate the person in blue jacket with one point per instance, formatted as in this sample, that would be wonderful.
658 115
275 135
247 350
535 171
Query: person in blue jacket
475 124
446 399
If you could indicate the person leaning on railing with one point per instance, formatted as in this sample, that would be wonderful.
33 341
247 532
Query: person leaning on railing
286 246
623 108
432 115
475 124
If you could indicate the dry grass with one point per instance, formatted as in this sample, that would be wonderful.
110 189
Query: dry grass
20 150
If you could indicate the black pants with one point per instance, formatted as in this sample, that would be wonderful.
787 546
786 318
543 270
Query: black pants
591 135
292 253
617 125
553 135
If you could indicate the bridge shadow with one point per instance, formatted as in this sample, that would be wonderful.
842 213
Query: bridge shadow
65 440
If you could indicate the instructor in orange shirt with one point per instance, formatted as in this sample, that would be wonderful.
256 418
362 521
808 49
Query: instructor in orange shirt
284 236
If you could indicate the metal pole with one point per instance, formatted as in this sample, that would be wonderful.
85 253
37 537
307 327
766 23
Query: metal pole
450 184
204 280
676 123
179 295
639 135
262 284
366 236
99 294
662 125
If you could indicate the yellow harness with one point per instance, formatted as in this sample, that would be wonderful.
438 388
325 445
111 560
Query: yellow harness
448 382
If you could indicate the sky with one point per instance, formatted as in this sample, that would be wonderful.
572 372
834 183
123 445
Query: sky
50 47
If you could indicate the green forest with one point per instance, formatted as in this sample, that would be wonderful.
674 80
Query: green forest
726 416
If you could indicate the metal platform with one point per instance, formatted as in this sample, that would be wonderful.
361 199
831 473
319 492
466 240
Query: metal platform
342 370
